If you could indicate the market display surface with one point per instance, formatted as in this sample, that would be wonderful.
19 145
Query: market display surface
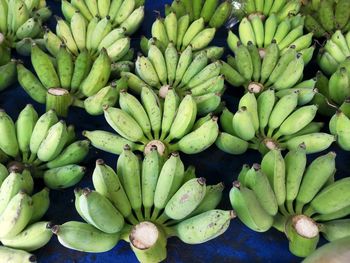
175 131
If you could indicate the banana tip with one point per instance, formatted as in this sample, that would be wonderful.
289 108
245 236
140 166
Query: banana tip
100 161
55 229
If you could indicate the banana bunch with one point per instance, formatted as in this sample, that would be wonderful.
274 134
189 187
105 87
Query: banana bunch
265 8
262 33
65 82
334 92
20 214
121 13
179 31
302 201
282 71
44 146
20 19
80 36
170 125
272 122
214 13
334 53
185 73
324 17
144 203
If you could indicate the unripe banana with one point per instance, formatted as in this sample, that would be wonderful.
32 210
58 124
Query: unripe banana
84 237
14 255
243 124
203 227
63 177
41 202
231 144
314 142
31 238
335 230
8 142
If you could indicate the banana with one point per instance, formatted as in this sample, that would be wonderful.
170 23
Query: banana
102 28
41 203
159 31
250 103
151 103
243 124
65 67
208 9
314 142
72 233
184 119
81 6
64 176
16 215
326 15
341 17
78 27
158 61
44 68
107 96
103 7
184 62
52 42
203 39
186 199
114 7
335 204
31 238
99 212
64 32
199 139
265 105
133 22
231 144
273 165
269 62
256 60
336 229
146 71
52 145
258 28
203 227
14 255
182 26
208 72
93 7
107 183
246 32
90 30
244 61
98 76
128 168
193 30
24 127
282 30
221 14
8 143
248 208
171 104
124 11
171 59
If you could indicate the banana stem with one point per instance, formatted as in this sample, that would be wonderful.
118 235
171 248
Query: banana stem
283 210
162 218
173 147
279 222
139 147
147 213
169 231
155 214
25 156
37 162
139 214
253 146
290 207
270 132
299 207
78 103
32 157
59 100
132 219
309 211
277 135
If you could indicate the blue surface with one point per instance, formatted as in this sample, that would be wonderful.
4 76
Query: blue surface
238 244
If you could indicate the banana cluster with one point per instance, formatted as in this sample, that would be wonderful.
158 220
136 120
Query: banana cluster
334 91
122 13
339 125
181 32
282 72
20 215
324 17
265 8
286 33
45 146
269 123
79 35
144 203
334 53
298 200
185 73
65 82
21 19
171 125
214 13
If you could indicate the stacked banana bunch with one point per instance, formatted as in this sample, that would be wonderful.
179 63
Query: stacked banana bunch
324 17
334 53
144 203
265 8
45 146
286 33
20 214
185 73
8 72
80 35
283 72
22 20
298 200
214 13
269 123
171 125
63 82
181 32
